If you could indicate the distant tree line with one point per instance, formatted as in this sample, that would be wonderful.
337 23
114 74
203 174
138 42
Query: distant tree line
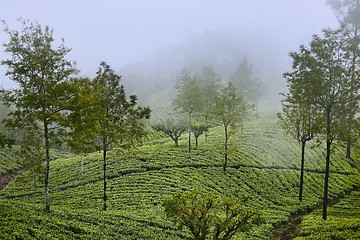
207 101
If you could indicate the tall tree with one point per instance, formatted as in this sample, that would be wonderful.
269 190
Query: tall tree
348 14
229 108
326 80
212 84
114 118
247 84
300 119
190 97
41 72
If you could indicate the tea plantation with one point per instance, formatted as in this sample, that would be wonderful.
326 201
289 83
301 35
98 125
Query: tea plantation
263 165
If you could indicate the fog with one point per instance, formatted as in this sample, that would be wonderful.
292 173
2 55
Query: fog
149 42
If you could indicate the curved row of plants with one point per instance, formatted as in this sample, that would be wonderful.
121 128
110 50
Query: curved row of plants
263 165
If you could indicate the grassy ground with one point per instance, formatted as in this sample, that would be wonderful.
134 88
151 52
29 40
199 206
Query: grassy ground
264 164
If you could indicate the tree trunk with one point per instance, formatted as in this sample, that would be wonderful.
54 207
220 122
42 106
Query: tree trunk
104 169
82 164
35 188
189 135
206 131
47 167
226 149
327 169
302 170
35 175
348 148
196 141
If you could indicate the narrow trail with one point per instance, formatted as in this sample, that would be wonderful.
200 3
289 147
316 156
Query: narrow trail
291 229
6 179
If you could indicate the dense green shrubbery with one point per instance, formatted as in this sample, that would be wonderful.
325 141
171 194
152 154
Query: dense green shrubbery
264 166
343 221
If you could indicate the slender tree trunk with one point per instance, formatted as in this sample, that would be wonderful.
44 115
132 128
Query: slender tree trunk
35 175
302 170
47 167
176 141
206 131
327 169
348 148
35 188
104 169
82 164
196 141
189 135
226 148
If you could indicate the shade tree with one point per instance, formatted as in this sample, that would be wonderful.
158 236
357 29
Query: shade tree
247 84
230 108
348 14
199 128
41 72
172 126
301 120
190 98
322 73
105 116
212 84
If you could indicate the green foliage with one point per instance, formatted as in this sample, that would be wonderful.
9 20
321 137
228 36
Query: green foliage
81 120
172 127
323 88
206 215
263 166
343 221
190 97
230 110
212 83
191 210
6 141
244 81
190 93
118 117
42 74
103 116
198 128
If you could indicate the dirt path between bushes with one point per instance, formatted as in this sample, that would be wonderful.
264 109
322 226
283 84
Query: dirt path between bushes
291 228
6 179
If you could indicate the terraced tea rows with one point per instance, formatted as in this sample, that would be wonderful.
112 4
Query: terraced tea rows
264 166
343 221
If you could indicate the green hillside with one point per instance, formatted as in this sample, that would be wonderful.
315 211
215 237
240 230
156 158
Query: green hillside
8 161
264 165
343 221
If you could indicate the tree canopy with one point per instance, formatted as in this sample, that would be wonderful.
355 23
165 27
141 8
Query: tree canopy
230 108
42 73
323 80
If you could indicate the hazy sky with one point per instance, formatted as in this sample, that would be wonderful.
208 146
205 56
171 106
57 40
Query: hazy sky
122 32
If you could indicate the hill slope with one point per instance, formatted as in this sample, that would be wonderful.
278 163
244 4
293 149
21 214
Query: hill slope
264 165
